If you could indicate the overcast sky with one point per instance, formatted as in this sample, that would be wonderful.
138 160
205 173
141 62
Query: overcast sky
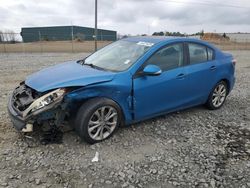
128 16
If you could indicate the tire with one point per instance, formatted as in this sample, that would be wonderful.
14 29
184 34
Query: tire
97 120
218 96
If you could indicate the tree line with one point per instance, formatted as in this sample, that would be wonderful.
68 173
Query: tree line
161 33
8 36
177 34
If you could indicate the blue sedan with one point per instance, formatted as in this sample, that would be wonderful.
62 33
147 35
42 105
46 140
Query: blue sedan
128 81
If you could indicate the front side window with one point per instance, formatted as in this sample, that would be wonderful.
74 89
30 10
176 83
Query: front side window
197 53
118 56
169 57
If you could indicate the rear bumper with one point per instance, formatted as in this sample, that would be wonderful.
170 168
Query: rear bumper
18 122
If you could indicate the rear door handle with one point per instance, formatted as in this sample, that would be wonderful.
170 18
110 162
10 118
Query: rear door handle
180 76
213 67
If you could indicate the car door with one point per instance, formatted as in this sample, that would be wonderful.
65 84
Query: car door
201 73
157 94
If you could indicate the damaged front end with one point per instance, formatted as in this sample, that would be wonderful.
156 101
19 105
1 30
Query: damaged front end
26 107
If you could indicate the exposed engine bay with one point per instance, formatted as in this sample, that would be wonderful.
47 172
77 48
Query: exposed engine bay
23 96
34 107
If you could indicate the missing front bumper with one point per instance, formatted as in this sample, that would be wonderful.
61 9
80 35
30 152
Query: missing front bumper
24 100
52 112
18 122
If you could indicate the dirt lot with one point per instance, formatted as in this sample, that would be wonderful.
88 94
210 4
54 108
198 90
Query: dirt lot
191 148
52 46
89 46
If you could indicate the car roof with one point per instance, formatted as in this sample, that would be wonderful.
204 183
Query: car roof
158 39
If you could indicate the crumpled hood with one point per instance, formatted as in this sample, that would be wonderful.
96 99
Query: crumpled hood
66 75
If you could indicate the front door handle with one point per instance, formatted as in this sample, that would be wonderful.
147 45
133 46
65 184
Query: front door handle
180 76
213 67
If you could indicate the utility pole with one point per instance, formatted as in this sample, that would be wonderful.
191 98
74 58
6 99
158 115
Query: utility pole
72 37
40 41
95 25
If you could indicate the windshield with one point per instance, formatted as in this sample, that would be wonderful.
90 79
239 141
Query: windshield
118 56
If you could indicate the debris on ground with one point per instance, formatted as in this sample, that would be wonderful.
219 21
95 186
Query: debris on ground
96 157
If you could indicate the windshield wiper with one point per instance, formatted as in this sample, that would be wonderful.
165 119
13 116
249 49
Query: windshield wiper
93 66
82 62
90 64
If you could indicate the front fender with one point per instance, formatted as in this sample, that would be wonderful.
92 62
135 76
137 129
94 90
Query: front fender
118 93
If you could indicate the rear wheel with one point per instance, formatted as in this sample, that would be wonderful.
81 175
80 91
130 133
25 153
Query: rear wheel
218 96
97 119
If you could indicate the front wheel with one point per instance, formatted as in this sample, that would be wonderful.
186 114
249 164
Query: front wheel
97 119
218 96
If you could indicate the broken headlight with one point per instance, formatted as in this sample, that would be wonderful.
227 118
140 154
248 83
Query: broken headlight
47 99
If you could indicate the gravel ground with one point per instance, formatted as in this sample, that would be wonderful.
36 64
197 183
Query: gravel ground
191 148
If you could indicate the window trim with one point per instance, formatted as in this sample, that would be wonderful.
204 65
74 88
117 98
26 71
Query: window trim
197 43
213 55
138 73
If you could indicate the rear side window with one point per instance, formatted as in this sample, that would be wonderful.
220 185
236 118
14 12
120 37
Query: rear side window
210 54
197 53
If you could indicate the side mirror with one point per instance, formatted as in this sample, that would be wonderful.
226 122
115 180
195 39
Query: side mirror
152 70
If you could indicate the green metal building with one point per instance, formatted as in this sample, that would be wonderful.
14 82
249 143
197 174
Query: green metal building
62 33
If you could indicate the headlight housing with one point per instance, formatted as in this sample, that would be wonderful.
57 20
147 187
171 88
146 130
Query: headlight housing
52 97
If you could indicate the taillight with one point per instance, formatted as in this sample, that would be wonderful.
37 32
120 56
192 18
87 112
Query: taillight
234 62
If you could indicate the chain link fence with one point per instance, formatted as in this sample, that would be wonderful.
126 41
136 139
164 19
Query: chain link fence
233 44
13 42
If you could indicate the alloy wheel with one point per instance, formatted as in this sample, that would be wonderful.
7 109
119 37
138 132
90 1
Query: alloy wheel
102 122
219 95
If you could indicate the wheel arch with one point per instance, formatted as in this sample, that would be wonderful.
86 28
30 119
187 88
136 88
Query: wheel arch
116 102
227 83
82 101
119 92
